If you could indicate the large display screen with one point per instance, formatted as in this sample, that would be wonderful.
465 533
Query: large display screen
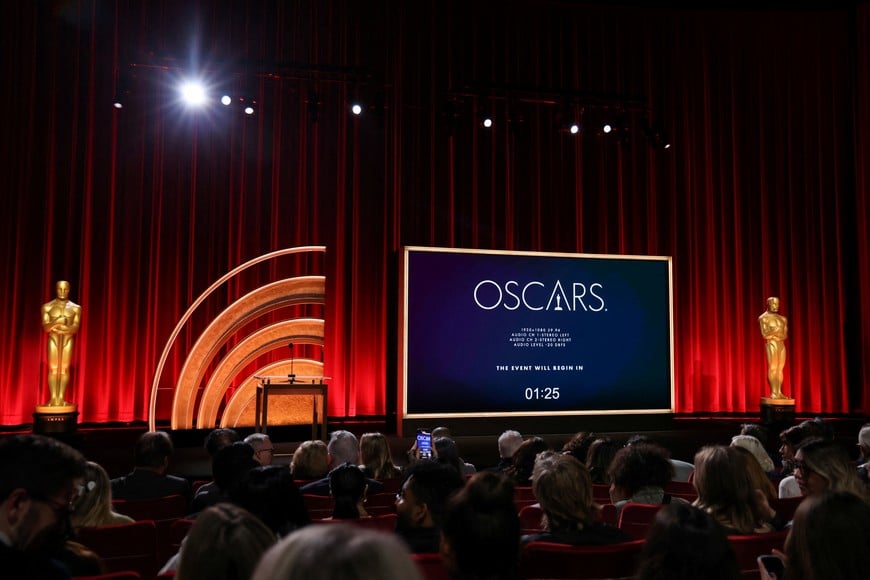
489 333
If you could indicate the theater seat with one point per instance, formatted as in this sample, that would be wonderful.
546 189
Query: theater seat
551 560
636 518
431 566
124 547
749 547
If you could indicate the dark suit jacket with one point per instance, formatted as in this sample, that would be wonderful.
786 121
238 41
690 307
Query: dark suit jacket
321 486
18 565
144 484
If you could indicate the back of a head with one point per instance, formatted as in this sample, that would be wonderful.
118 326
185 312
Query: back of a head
225 543
818 427
508 443
447 453
310 460
219 438
481 529
441 432
864 437
433 484
375 455
724 486
685 543
40 465
270 493
641 465
152 449
754 446
563 487
343 446
599 457
830 460
754 430
94 504
829 538
347 485
578 445
231 463
524 459
329 551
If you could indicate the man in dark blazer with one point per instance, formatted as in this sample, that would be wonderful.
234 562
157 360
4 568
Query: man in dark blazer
149 479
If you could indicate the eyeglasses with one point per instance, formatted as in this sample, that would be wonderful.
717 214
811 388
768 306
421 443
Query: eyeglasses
803 467
270 450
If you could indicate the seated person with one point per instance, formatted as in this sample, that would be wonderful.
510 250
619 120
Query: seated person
445 451
822 465
149 479
343 447
791 439
639 474
270 493
686 543
420 504
310 461
579 444
563 487
508 443
337 551
93 507
264 450
216 440
598 458
347 485
376 461
229 465
481 529
754 446
863 462
726 492
524 461
682 469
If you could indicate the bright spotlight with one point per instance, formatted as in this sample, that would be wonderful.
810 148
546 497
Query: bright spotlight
193 93
249 110
487 122
226 100
574 129
118 105
607 128
356 109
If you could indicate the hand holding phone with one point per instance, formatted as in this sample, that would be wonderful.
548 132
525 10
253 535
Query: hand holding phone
424 443
771 567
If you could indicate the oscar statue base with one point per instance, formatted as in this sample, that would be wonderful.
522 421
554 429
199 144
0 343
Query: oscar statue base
777 411
55 420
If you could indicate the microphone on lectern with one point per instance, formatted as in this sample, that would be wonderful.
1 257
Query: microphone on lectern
292 375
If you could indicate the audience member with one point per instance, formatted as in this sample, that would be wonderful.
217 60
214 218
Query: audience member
725 491
598 458
791 439
347 485
822 465
754 446
829 538
481 530
520 471
216 440
343 447
563 487
447 453
420 504
508 443
149 478
375 457
330 551
758 478
578 445
686 543
228 466
310 461
682 469
93 506
264 450
39 478
270 493
639 473
225 543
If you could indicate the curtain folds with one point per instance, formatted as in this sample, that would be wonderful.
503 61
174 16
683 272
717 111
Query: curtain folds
763 193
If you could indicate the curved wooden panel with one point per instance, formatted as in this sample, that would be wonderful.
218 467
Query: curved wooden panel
299 330
288 292
239 411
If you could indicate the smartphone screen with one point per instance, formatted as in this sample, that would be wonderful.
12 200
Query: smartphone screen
773 565
424 443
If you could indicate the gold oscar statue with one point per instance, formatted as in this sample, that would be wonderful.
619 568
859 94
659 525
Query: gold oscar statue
61 319
774 329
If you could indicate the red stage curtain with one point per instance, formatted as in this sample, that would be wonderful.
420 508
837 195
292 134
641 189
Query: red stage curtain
764 192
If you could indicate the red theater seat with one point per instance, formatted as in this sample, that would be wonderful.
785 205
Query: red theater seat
636 518
550 560
124 547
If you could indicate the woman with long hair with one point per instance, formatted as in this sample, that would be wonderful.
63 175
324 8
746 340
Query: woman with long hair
375 457
822 465
93 507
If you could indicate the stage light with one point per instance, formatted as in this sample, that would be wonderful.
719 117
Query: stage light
118 104
574 128
356 109
486 122
226 100
193 93
249 110
607 128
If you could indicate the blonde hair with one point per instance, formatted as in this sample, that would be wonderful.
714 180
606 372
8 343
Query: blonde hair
564 488
725 490
225 543
374 453
327 551
310 460
93 507
831 461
